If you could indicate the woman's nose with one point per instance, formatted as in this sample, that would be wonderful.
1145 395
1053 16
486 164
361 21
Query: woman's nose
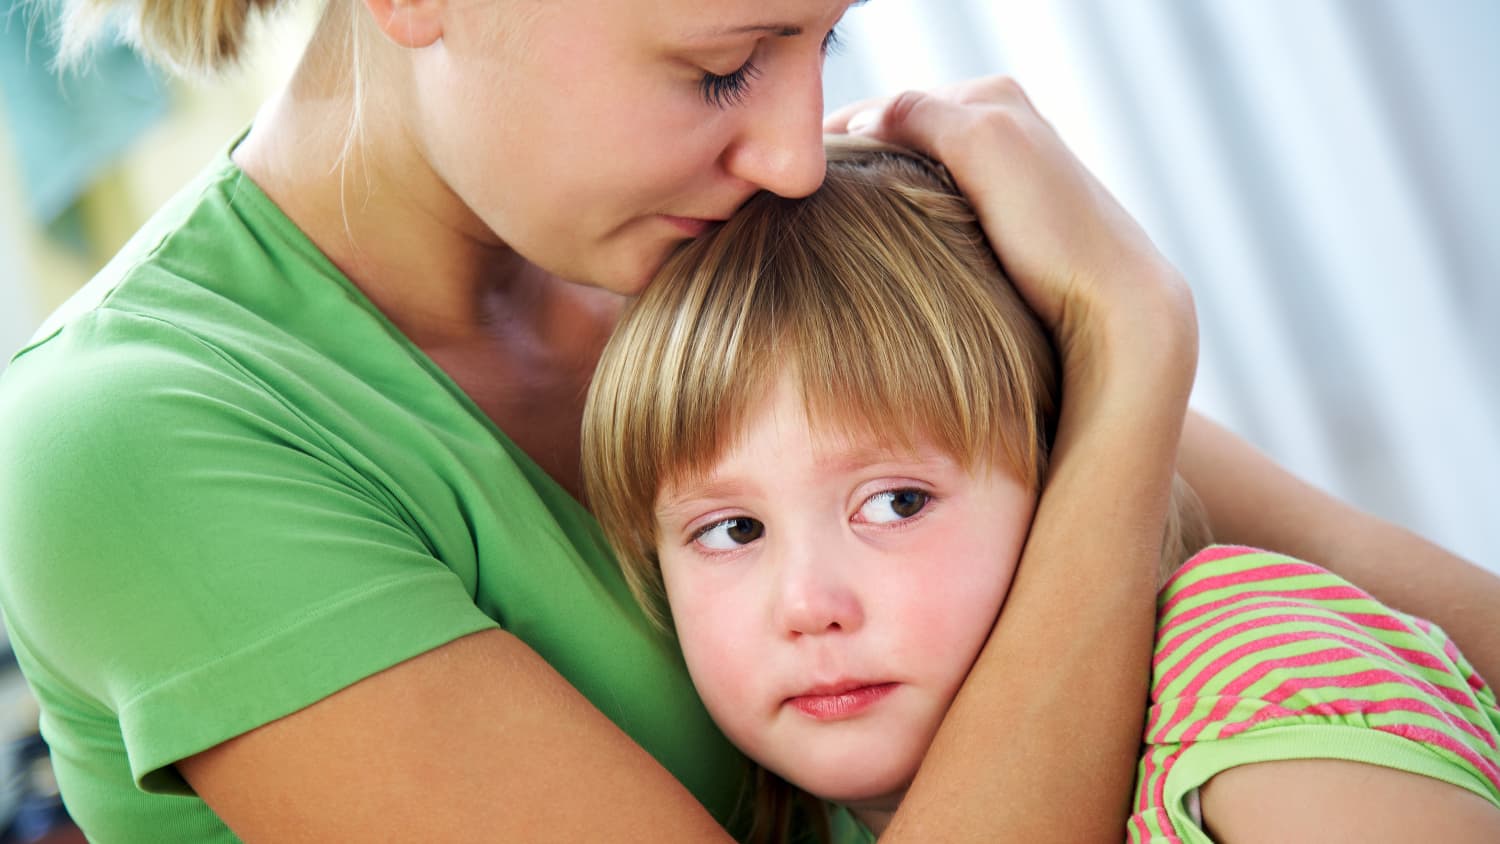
781 146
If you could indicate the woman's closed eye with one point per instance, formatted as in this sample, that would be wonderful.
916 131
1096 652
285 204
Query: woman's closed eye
725 90
832 43
729 534
893 505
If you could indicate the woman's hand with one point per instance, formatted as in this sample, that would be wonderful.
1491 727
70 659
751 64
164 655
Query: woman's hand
1078 622
1087 269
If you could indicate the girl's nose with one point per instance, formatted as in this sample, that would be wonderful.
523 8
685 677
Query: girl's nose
816 598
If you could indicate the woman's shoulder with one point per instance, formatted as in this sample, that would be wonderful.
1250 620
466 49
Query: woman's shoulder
217 302
218 261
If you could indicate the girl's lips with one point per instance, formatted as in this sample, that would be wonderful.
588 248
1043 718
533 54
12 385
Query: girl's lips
845 703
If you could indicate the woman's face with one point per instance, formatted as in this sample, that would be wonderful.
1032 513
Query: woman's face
593 136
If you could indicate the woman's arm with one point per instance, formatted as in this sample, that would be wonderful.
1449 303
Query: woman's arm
478 740
1050 717
481 739
1253 501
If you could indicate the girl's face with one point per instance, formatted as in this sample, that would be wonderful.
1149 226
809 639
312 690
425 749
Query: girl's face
593 136
830 596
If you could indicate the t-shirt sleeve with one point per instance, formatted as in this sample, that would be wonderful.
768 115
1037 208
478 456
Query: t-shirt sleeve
186 553
1262 657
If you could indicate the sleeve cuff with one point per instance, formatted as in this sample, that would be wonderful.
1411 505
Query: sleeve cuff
341 643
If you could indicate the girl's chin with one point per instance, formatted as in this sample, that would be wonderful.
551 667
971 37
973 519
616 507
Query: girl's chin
857 790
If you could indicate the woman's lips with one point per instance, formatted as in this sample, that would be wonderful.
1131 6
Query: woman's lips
691 226
840 703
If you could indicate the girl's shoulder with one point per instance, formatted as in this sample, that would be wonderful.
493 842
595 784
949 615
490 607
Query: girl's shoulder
1250 607
1275 657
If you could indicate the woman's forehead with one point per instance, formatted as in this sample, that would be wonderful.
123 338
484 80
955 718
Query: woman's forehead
720 19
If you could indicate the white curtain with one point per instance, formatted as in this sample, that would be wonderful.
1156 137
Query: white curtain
1324 172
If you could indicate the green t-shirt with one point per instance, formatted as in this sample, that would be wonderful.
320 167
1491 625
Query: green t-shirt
231 488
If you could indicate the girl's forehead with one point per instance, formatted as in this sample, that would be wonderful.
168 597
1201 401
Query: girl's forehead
841 436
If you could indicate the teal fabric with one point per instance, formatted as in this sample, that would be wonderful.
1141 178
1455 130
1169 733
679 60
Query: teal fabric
66 128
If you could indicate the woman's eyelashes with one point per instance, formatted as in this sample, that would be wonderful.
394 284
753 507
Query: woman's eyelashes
729 89
726 90
832 43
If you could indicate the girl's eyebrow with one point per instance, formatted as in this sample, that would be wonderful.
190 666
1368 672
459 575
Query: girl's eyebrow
687 496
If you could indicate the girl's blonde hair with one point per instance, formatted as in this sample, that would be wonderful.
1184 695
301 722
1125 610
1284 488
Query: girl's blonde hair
880 296
197 37
878 293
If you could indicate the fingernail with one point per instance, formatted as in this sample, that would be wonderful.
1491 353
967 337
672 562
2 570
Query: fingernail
863 121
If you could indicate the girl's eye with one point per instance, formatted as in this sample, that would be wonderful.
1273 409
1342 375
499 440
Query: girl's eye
730 534
729 89
893 506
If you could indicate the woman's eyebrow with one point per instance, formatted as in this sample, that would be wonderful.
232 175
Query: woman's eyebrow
780 29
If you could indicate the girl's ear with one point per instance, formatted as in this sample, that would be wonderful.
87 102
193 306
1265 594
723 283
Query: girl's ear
409 23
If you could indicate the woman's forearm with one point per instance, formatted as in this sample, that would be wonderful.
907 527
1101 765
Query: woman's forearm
1253 501
1042 742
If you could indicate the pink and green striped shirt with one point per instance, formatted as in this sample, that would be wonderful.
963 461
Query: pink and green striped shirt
1261 657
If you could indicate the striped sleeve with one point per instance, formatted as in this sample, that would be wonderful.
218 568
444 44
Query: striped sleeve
1261 657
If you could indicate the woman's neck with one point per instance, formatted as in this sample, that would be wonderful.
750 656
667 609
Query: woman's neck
360 188
519 341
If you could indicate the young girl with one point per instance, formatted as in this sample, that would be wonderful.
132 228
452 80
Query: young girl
820 436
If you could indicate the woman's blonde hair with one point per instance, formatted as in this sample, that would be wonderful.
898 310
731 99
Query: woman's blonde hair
197 37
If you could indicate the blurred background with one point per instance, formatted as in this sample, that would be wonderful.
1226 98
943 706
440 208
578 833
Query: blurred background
1323 171
1325 174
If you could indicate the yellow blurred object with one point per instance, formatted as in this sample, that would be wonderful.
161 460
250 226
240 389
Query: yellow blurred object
204 116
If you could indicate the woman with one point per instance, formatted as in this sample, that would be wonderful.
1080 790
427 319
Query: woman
266 547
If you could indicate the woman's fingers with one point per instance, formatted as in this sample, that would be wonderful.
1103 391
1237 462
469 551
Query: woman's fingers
837 122
1071 250
869 115
1009 164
